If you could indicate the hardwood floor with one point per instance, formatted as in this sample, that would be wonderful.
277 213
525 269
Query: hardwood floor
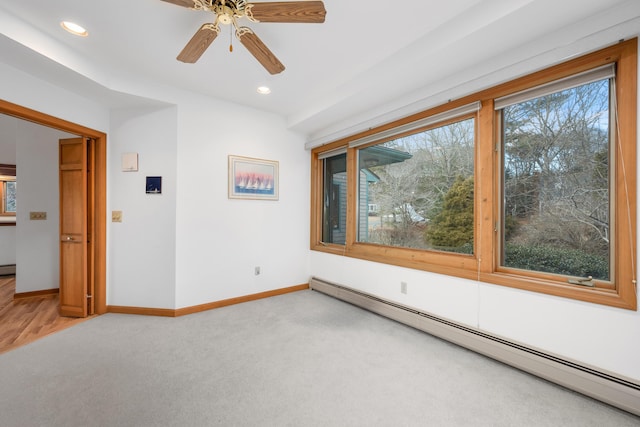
27 319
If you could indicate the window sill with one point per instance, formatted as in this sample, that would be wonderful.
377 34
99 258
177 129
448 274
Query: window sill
597 295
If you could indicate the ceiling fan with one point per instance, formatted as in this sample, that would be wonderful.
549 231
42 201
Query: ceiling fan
228 12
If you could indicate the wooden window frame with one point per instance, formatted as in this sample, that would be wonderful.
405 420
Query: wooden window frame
484 264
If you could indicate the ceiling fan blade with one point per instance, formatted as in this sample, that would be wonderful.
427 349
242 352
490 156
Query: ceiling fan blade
185 3
198 44
260 51
288 11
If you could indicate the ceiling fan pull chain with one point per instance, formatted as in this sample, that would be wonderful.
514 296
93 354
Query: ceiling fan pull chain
230 40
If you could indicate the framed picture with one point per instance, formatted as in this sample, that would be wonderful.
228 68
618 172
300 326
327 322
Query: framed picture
154 185
253 178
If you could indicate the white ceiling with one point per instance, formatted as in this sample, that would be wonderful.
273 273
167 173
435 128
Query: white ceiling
371 58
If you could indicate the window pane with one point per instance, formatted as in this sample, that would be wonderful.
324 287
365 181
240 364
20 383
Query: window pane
10 196
334 212
417 191
556 160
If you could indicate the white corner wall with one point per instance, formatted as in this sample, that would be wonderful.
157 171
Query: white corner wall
142 247
220 240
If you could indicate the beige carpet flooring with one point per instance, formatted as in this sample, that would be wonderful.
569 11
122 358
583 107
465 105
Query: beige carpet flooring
301 359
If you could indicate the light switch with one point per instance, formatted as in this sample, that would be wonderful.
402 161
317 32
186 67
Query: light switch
116 216
36 216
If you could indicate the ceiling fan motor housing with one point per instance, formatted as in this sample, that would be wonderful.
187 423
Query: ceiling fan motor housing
227 10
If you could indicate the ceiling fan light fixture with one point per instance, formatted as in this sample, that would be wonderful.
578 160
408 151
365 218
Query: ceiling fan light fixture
74 28
263 90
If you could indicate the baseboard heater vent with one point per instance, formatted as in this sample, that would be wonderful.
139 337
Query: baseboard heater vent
606 387
6 270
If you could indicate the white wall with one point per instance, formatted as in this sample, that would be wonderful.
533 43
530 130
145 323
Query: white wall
597 335
220 240
37 242
22 89
8 127
190 245
142 247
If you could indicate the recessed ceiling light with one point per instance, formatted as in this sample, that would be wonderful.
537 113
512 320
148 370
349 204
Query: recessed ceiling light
263 90
74 28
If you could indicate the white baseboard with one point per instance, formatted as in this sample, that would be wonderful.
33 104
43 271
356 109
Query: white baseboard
607 387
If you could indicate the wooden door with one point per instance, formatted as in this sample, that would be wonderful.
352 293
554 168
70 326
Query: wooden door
76 194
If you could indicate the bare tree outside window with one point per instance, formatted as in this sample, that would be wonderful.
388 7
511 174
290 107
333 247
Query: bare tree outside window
10 197
556 182
409 185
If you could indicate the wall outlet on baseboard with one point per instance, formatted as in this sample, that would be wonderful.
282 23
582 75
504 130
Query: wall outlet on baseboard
256 271
403 287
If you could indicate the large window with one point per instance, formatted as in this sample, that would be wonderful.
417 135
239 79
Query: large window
530 184
556 152
416 191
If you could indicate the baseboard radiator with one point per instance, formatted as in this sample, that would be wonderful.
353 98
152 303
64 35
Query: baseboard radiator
619 392
6 270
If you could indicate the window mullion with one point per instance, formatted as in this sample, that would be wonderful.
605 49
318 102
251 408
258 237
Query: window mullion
352 197
486 212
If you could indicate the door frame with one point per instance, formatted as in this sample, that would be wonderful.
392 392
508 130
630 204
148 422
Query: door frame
100 188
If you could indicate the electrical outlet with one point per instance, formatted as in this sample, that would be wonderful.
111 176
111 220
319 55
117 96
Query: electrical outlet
257 271
403 287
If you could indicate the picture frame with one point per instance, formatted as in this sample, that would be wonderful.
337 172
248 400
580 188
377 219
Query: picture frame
154 185
251 178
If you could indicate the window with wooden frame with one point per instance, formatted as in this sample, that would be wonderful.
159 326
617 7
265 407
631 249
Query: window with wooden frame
530 184
7 194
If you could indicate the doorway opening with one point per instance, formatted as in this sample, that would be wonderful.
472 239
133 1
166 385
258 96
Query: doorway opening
97 188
